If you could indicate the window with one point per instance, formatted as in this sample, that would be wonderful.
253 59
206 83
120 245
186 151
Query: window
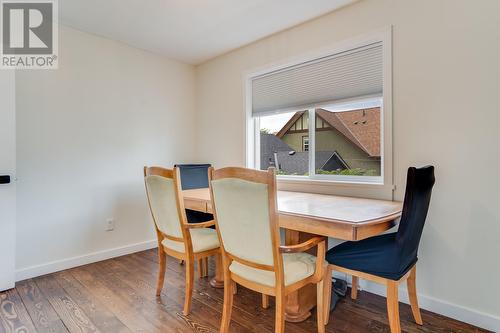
279 149
326 118
305 143
346 140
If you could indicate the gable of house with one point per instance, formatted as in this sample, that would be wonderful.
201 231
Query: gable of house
361 127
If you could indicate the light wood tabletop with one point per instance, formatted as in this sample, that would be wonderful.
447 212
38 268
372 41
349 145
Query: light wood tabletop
327 215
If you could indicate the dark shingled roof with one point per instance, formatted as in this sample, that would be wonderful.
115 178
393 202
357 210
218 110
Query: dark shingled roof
269 144
299 162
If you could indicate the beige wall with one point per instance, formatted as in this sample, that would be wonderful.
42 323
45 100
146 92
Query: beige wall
7 166
84 132
294 140
445 79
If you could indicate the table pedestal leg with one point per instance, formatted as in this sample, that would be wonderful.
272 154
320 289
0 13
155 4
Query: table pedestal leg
218 280
299 303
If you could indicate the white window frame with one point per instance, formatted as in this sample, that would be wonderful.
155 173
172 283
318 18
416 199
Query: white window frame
252 125
304 143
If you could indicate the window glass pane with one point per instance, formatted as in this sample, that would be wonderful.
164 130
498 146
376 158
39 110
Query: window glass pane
282 143
347 140
305 143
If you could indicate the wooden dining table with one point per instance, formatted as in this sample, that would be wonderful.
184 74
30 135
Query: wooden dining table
305 215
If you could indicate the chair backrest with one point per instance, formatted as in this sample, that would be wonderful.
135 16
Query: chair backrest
165 203
193 175
246 214
419 183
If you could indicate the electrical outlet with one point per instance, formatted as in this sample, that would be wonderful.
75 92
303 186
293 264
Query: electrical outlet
110 224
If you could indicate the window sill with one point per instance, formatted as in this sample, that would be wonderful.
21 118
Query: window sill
374 190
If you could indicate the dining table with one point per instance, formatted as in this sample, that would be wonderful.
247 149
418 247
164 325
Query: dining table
305 215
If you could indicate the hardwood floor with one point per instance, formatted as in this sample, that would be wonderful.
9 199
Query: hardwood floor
118 295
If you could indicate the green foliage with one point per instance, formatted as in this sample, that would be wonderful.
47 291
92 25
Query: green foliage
265 131
348 172
284 173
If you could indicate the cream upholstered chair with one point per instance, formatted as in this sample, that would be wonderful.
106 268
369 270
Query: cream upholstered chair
247 224
176 237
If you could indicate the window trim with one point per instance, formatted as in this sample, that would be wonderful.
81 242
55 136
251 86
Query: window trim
304 143
252 139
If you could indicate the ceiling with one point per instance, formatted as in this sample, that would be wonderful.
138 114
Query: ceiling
190 31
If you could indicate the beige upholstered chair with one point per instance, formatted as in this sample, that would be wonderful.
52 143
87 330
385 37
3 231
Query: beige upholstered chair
185 241
247 224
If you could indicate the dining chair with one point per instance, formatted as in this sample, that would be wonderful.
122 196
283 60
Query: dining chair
176 237
194 176
390 259
246 219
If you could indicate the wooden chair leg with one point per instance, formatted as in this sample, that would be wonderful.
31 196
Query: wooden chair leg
219 270
354 289
265 301
327 298
393 306
320 305
162 262
200 268
412 295
189 286
228 305
235 288
280 312
205 267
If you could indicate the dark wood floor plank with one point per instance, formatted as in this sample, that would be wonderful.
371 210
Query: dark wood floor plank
43 315
127 314
206 310
118 295
155 314
14 317
100 315
203 292
73 317
201 318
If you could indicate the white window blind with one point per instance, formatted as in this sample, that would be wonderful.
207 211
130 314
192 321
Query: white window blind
354 73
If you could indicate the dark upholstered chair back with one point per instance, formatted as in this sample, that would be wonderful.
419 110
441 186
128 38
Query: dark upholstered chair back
194 175
419 185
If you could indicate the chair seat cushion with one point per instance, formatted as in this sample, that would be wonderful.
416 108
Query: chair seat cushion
296 267
378 256
203 239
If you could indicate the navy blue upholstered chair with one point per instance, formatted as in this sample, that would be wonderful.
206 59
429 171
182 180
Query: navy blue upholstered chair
195 176
391 258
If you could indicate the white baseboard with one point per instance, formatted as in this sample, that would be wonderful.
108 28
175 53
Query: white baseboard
429 303
59 265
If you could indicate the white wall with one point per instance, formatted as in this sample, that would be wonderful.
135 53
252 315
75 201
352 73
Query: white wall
446 113
84 132
7 167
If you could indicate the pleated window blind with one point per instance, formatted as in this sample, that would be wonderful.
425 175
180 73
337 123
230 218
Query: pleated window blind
350 74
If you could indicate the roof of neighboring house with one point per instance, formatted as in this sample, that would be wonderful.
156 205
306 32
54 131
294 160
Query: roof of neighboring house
289 123
362 127
336 162
299 162
269 144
